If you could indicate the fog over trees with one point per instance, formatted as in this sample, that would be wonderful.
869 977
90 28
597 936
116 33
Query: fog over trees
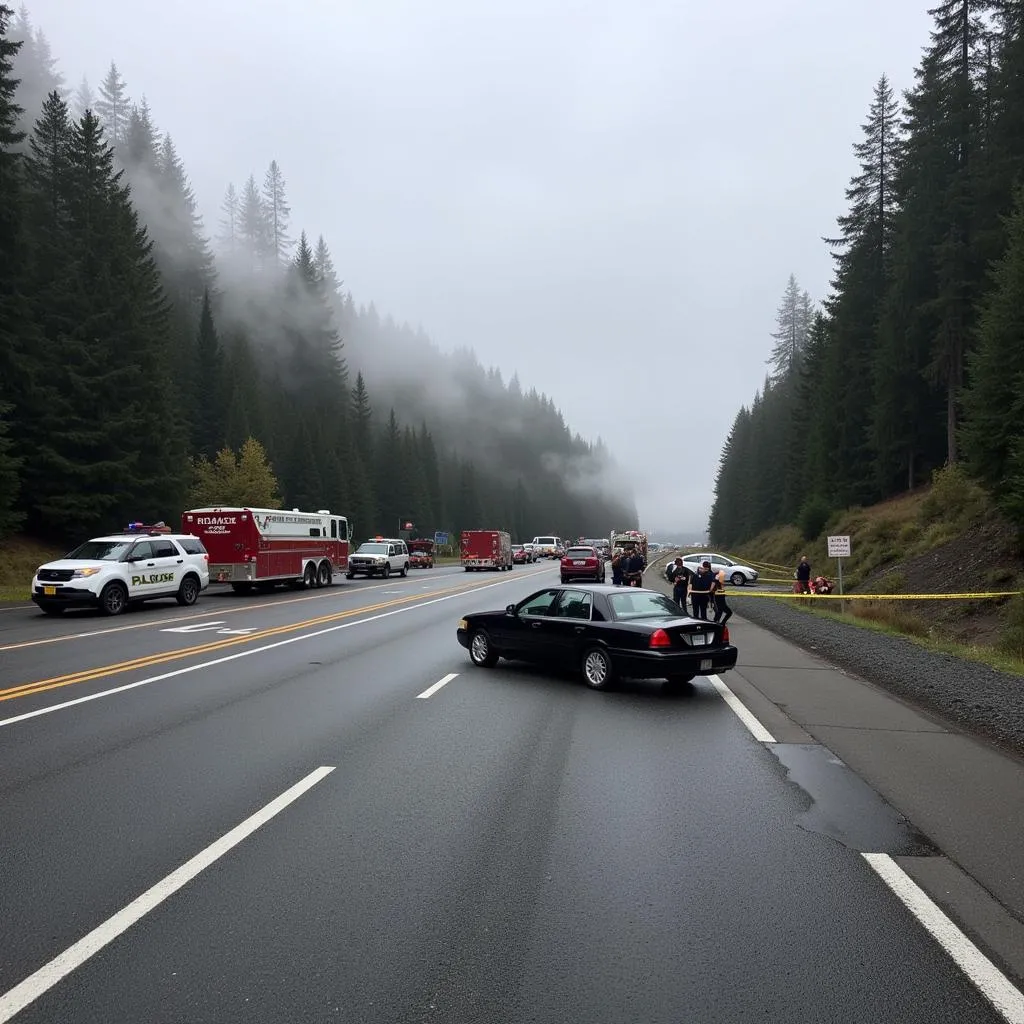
135 347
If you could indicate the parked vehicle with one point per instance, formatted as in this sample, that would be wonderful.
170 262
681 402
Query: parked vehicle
381 556
264 547
582 563
736 573
603 632
112 572
421 554
486 549
548 547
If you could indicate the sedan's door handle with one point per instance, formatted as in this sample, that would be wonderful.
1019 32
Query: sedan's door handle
536 625
580 629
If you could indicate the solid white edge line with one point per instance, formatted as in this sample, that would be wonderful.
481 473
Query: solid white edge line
757 730
244 654
1005 997
431 690
27 991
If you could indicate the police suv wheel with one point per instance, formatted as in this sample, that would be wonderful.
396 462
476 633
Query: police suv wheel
113 598
188 592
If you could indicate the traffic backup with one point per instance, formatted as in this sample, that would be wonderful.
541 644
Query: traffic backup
603 632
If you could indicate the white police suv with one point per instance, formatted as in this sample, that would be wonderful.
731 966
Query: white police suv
112 572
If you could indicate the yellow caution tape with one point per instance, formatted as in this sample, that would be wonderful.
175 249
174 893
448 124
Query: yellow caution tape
874 597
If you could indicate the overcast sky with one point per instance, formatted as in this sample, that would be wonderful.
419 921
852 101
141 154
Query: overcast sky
605 197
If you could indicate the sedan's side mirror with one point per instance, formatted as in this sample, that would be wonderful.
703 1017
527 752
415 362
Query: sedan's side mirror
510 609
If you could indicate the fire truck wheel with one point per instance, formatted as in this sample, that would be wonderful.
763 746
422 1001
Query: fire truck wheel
188 592
309 576
324 576
241 588
113 598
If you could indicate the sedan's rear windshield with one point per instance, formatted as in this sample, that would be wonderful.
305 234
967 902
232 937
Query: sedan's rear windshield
372 549
642 606
581 553
101 550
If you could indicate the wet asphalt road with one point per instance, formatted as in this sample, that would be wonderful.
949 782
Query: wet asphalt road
513 847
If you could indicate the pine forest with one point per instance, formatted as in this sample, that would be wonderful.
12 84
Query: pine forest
148 365
915 360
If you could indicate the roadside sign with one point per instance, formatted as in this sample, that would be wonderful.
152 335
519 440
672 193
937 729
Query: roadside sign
839 547
440 539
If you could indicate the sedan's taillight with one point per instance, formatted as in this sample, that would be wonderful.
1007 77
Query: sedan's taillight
725 634
659 638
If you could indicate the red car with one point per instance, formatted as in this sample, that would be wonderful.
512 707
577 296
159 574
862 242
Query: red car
582 563
520 556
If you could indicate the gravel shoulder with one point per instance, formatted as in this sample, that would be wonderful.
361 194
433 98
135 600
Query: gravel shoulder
974 697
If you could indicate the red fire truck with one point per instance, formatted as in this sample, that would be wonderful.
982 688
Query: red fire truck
486 549
263 547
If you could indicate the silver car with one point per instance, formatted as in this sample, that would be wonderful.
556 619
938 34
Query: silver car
735 572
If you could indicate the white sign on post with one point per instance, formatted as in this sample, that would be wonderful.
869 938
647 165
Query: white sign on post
839 547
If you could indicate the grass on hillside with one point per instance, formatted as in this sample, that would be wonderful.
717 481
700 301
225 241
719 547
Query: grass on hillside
19 559
881 535
887 538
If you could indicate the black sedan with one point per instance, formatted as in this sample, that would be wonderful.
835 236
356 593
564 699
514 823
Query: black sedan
601 631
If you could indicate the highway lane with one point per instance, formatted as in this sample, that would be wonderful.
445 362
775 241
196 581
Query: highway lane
88 659
513 847
26 624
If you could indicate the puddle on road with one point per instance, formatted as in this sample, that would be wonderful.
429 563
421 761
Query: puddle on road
844 807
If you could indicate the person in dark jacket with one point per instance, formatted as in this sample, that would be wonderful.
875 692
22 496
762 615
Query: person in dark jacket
803 576
679 577
617 560
636 568
700 590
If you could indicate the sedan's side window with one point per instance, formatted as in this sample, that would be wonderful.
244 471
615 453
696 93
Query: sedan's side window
575 604
539 604
719 561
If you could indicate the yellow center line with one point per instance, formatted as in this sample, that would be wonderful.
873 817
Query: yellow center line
234 610
147 661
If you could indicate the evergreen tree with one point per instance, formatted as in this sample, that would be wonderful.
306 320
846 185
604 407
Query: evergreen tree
277 212
325 269
793 321
33 66
230 212
253 227
85 99
140 142
994 402
113 107
208 416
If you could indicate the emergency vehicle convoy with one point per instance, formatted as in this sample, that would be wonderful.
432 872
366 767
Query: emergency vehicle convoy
486 549
264 547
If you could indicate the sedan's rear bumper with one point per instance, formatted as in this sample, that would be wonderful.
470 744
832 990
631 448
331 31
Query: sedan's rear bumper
663 664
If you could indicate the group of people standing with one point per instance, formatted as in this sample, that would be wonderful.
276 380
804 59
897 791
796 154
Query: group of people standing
628 568
705 589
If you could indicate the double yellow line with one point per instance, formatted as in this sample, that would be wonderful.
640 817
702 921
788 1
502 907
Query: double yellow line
149 660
